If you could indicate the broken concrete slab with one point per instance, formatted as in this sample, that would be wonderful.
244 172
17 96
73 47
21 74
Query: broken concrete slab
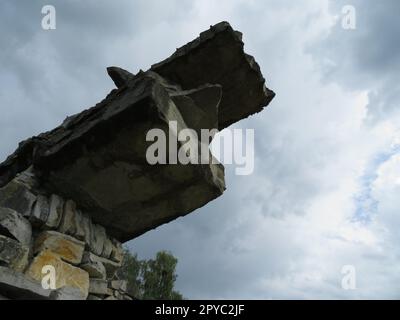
117 251
98 286
98 157
217 57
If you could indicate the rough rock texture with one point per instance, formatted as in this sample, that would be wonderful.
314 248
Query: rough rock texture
70 196
110 266
98 286
217 57
13 254
97 157
56 212
66 247
119 76
16 285
96 269
66 274
50 247
15 225
125 193
97 240
41 211
67 293
16 196
120 285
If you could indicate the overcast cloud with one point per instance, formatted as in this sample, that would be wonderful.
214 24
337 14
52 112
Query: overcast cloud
324 192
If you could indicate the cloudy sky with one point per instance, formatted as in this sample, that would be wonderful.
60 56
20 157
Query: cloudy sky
326 185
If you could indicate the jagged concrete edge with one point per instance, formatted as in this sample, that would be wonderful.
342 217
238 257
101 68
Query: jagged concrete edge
209 35
32 148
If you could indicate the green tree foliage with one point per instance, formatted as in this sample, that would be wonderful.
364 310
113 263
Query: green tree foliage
151 279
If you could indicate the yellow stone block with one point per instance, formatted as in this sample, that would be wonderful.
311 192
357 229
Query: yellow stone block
68 248
65 274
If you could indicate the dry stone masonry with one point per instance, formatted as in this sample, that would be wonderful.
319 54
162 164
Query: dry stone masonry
53 231
69 197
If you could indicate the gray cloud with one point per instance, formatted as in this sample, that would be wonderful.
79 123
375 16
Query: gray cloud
366 58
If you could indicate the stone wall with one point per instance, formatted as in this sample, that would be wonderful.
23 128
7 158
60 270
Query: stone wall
38 230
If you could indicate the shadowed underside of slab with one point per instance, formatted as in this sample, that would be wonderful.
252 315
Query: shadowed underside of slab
217 56
98 157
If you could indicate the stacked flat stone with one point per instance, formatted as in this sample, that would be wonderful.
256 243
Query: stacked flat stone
38 230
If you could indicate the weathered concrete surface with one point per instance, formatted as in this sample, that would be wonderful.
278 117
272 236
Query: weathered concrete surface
217 57
97 157
101 164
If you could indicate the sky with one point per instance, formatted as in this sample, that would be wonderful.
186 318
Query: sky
324 192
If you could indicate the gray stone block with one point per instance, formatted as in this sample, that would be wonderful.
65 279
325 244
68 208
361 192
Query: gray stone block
16 285
96 269
17 196
15 225
111 266
98 286
56 212
13 253
97 240
119 285
98 157
40 212
67 293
